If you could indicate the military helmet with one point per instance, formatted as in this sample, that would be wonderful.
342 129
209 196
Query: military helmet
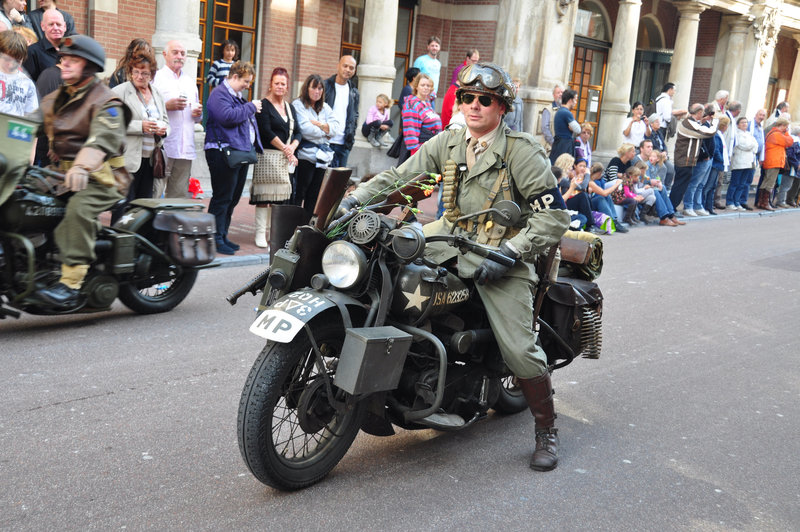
489 79
85 47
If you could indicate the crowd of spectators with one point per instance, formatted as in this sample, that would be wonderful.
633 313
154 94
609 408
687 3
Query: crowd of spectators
291 143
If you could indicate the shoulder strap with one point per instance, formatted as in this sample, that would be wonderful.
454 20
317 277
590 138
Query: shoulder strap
291 120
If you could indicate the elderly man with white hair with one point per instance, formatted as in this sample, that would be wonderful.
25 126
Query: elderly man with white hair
720 99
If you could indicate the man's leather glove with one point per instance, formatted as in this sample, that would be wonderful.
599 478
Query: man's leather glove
86 161
348 203
490 270
76 179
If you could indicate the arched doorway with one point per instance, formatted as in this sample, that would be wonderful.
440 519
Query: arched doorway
590 58
651 69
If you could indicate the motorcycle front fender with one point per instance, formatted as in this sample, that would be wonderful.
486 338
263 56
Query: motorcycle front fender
282 321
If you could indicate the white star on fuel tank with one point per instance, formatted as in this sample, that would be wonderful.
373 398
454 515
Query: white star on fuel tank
415 299
125 220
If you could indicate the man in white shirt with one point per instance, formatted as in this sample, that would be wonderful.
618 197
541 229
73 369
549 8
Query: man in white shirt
342 95
184 110
665 111
429 63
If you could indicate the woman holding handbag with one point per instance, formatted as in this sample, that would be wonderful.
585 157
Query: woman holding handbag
148 126
280 134
317 125
232 143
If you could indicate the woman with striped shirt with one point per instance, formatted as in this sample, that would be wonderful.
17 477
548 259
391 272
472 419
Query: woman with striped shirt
420 121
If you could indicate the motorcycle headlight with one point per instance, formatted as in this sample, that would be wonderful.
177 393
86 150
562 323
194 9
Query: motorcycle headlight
344 264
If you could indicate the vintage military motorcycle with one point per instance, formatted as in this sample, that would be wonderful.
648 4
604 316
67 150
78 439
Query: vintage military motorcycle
364 333
149 259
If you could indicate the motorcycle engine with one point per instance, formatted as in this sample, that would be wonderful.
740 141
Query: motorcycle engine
101 289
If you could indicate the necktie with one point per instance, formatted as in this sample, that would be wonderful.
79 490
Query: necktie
471 152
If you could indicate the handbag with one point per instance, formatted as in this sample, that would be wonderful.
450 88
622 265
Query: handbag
158 160
394 151
237 158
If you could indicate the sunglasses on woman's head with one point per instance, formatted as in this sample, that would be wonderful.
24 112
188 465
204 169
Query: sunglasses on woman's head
484 100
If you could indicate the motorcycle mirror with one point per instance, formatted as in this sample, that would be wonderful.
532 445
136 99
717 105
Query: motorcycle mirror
509 211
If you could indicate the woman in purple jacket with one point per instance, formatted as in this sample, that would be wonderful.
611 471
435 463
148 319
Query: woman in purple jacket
231 124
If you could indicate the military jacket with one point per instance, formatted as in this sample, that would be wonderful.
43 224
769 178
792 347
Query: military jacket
544 216
91 116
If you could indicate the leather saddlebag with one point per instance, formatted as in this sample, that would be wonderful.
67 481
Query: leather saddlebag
190 238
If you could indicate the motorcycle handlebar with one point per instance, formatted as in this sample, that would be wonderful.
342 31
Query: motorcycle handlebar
461 242
253 286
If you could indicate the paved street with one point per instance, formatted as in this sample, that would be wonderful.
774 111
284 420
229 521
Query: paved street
689 421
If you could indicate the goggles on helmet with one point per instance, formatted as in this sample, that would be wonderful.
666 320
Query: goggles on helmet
487 76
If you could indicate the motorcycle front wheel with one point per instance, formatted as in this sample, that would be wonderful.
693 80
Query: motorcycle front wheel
157 285
510 400
290 436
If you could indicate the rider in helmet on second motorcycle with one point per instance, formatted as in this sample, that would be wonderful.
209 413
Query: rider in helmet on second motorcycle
495 162
85 124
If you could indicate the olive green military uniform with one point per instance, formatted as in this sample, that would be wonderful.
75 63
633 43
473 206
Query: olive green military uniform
509 301
75 236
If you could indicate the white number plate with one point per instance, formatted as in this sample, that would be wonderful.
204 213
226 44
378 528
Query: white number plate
276 325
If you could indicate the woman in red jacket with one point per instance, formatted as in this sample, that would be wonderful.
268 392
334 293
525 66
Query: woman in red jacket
775 146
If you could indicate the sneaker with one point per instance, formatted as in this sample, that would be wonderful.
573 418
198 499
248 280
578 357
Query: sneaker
596 230
621 227
689 212
740 208
701 212
732 208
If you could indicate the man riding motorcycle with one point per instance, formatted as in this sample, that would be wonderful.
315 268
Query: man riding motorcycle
495 162
85 124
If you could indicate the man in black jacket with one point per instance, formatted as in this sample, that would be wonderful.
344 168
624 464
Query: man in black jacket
342 95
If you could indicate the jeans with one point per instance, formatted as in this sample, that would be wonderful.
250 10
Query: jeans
663 204
227 185
605 205
694 191
737 184
340 155
308 179
786 183
709 188
580 202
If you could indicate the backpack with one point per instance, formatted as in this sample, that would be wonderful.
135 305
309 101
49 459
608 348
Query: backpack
650 108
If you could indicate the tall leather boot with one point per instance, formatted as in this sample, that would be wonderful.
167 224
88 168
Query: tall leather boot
262 219
538 392
630 214
763 200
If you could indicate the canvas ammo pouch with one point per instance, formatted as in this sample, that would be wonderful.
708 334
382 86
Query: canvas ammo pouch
190 239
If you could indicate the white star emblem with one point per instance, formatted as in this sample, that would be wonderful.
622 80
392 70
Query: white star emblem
415 299
125 220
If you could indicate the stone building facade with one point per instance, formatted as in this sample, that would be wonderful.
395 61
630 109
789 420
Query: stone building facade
613 52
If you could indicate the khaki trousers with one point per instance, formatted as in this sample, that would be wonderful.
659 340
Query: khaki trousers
176 182
75 236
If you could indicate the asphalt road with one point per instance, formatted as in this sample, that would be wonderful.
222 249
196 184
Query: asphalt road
689 420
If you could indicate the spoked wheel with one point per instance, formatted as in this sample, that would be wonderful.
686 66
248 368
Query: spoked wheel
157 286
510 400
290 435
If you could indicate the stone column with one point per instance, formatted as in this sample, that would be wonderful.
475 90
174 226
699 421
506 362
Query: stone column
793 97
533 42
615 107
682 69
376 71
732 71
756 63
178 20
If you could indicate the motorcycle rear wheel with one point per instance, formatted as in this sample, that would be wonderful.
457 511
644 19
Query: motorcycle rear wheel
162 288
289 436
510 400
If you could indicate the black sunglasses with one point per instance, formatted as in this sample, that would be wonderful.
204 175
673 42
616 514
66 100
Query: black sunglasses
484 100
